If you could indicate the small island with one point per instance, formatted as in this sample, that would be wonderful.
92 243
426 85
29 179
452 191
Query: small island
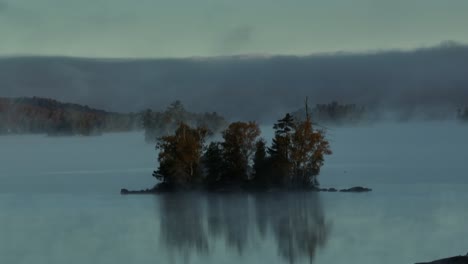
242 160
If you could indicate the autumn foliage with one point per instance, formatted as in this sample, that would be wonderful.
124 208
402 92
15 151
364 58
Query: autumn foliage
34 115
242 159
180 156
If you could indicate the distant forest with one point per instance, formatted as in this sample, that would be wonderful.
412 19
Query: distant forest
463 114
34 115
159 124
335 113
47 116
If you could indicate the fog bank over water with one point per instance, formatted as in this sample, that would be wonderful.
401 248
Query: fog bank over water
60 202
433 81
384 153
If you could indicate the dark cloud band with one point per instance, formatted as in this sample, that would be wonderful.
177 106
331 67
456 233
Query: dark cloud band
248 87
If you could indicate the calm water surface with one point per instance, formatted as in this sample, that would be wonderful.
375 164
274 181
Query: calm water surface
59 203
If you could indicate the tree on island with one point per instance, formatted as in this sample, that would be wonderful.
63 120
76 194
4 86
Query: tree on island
243 159
214 165
261 168
180 155
238 148
279 152
308 148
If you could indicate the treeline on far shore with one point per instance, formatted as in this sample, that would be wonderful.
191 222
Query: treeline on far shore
463 114
158 124
337 114
34 115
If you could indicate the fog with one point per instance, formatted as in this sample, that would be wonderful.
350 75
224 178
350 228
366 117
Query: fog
60 202
433 81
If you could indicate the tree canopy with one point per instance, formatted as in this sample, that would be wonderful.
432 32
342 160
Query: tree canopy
242 159
179 156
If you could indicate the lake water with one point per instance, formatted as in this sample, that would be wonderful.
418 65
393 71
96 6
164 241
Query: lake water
60 203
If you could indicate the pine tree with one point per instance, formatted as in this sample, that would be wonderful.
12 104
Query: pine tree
279 151
260 165
214 164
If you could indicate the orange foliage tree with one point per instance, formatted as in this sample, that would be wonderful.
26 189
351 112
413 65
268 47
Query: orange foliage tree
180 155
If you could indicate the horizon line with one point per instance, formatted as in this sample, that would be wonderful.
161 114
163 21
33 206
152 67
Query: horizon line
440 45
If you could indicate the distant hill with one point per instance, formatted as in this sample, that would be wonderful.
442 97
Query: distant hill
35 115
42 115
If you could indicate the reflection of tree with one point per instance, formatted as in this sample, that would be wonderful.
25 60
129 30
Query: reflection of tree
182 223
298 225
194 223
228 216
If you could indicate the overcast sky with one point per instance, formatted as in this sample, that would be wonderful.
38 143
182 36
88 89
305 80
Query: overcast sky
176 28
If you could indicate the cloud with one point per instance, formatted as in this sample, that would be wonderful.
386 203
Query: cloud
243 87
236 38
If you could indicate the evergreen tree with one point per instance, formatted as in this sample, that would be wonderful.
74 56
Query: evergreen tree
214 164
279 151
260 165
238 147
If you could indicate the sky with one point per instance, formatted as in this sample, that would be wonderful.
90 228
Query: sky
176 28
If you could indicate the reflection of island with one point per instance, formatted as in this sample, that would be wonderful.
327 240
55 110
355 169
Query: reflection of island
194 223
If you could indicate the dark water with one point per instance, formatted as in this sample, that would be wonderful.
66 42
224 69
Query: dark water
59 203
